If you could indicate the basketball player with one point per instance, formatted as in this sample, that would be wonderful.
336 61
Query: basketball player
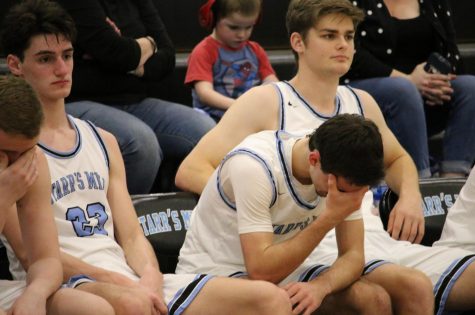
321 36
459 225
100 237
267 198
24 186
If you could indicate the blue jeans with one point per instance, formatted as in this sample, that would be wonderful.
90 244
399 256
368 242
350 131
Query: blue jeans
412 121
148 133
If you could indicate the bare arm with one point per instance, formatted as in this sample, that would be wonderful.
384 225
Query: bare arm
349 264
254 111
128 232
306 297
210 97
38 231
267 260
137 249
406 221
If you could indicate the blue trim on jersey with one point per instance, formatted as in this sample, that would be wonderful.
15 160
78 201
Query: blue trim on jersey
256 156
357 99
186 295
100 141
311 109
281 107
65 155
287 176
312 272
445 283
373 264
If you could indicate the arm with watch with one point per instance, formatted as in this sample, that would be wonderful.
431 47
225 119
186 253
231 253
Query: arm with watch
123 37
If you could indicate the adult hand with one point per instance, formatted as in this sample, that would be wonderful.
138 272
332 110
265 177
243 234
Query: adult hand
28 303
406 221
434 87
339 204
152 281
304 297
16 178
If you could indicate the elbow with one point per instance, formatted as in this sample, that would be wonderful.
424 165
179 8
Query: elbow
358 263
180 178
260 273
23 259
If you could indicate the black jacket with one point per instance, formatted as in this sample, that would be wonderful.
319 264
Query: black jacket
371 58
103 58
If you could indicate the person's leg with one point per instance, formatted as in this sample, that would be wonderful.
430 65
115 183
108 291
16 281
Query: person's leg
410 290
124 300
75 302
362 297
459 137
178 128
462 294
447 268
138 144
403 110
239 296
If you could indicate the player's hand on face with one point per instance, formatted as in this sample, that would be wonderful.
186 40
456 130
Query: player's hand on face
304 297
406 221
17 178
340 204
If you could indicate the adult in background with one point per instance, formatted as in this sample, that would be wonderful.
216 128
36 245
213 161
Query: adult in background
122 54
395 42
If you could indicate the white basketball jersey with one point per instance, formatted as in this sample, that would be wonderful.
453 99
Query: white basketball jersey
459 230
79 184
212 243
297 116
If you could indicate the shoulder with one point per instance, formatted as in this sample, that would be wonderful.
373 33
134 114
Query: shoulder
207 43
254 111
109 139
370 107
41 160
206 48
256 48
259 98
254 45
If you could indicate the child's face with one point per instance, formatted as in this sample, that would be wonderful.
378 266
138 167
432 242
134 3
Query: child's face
233 30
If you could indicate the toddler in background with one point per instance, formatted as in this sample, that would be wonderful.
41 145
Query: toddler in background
226 63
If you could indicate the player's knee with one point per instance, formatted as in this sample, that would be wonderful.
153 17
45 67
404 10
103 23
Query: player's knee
102 307
271 299
132 304
417 291
371 298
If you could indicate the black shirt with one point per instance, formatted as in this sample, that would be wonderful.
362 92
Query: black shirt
103 58
376 39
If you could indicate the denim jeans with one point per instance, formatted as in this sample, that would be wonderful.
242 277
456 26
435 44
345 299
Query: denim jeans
148 133
412 121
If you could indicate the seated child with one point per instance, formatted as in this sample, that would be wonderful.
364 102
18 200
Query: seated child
226 63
